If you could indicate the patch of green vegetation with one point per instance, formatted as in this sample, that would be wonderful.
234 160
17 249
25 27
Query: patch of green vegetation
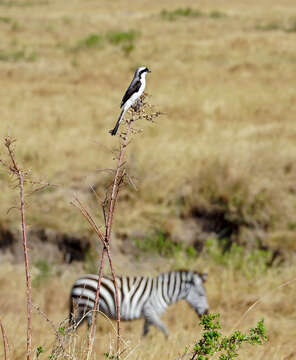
62 330
124 39
250 262
268 27
190 252
213 343
291 226
17 55
44 272
191 13
160 243
23 3
5 19
216 14
272 26
128 48
180 12
119 37
90 264
110 356
39 351
92 41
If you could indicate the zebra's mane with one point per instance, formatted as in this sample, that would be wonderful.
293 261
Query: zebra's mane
185 271
193 272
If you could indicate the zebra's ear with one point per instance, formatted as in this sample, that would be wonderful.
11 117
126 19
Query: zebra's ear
204 276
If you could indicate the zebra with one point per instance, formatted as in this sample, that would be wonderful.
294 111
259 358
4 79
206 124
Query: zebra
139 297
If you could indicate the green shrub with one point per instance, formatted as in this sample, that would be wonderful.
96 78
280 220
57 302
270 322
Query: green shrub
214 344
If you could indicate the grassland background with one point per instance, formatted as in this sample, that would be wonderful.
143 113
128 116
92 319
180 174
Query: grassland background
227 87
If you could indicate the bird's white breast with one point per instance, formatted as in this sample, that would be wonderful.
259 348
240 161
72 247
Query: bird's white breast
131 101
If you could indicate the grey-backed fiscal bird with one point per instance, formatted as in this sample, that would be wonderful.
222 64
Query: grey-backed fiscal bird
132 94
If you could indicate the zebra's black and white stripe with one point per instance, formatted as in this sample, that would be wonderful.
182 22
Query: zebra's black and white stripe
138 296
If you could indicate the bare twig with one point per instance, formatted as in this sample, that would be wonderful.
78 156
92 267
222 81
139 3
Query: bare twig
57 334
116 183
5 341
20 174
108 219
117 299
91 337
108 206
130 180
89 218
41 187
28 276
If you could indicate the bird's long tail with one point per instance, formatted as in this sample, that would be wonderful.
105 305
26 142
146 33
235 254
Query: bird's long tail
114 131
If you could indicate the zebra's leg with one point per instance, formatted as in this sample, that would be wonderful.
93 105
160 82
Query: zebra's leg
155 320
158 323
147 324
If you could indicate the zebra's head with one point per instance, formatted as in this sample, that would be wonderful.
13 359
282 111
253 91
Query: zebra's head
196 296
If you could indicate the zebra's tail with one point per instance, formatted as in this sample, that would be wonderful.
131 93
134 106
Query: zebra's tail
114 131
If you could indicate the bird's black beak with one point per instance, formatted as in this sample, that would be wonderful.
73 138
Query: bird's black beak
148 70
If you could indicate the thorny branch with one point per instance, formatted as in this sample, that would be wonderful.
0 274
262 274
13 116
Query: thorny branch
108 207
108 218
22 178
20 175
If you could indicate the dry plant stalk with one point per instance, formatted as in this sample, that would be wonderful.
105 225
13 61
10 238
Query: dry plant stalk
108 207
20 175
105 238
58 336
5 341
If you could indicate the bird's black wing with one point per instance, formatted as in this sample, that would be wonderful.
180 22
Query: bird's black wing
134 87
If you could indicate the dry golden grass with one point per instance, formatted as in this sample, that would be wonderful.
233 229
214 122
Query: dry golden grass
227 87
230 294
